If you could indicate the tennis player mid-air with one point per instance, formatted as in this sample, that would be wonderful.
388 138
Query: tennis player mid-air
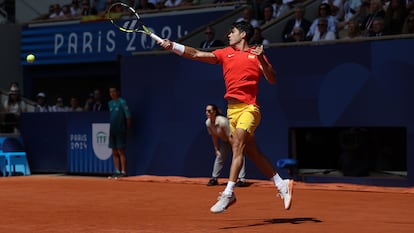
242 68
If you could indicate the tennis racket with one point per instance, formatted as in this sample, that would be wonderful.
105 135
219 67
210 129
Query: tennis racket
115 14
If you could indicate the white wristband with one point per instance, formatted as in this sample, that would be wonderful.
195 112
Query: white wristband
178 48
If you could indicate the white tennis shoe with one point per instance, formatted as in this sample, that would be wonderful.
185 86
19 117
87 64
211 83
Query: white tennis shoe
223 202
286 193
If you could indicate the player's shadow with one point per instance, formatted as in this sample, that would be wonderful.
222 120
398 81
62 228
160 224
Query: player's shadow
278 221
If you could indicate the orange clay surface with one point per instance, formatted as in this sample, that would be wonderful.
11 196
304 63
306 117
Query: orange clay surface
152 204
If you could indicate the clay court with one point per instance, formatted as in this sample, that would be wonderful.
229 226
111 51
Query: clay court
152 204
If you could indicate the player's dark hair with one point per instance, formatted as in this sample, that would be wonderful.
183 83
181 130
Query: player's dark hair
216 109
246 27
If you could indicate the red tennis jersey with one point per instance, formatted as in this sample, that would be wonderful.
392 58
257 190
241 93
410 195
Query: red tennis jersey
241 71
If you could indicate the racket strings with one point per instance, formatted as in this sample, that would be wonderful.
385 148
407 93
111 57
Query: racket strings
124 17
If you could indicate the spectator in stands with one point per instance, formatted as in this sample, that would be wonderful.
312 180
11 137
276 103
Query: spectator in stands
88 102
258 39
408 26
298 21
350 10
55 11
347 11
145 5
378 28
362 12
75 9
324 11
279 8
159 4
353 31
41 105
248 17
323 33
375 11
267 14
59 106
395 16
66 12
97 104
258 8
298 35
14 103
210 40
190 2
87 9
74 105
106 5
172 3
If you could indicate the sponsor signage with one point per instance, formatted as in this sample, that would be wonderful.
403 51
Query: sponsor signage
100 41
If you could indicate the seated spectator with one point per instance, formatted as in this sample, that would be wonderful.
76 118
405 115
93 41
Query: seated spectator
41 105
145 5
210 41
190 2
323 12
394 17
267 14
66 12
353 31
74 105
248 17
59 106
87 9
159 4
75 9
378 28
408 26
97 103
258 39
375 11
55 11
298 35
279 8
172 3
348 12
298 21
323 33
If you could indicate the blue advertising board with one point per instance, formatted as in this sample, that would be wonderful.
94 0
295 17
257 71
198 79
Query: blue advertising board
100 41
87 145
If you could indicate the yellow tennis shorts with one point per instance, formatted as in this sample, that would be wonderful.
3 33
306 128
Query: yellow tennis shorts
243 116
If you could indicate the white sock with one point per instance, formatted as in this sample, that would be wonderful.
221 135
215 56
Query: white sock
229 188
278 181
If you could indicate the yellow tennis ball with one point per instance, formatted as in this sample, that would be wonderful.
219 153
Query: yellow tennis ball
30 58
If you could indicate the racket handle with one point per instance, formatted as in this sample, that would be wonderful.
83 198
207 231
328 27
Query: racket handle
156 38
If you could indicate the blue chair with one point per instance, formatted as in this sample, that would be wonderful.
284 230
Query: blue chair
3 165
3 160
12 149
289 164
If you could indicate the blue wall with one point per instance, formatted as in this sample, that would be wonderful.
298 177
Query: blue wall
353 84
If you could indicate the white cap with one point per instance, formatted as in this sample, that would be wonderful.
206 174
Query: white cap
41 94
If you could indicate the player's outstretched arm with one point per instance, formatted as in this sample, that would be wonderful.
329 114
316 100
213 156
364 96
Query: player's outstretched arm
189 52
